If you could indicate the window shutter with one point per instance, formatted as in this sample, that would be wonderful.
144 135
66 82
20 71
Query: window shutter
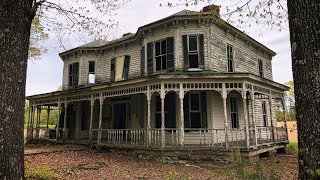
201 50
170 54
150 58
142 63
112 71
76 74
126 65
185 51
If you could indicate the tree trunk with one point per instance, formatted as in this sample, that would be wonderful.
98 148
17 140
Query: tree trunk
304 24
15 22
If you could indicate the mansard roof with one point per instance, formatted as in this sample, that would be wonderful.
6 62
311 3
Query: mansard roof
182 15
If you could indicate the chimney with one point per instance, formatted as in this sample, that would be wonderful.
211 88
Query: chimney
126 34
213 9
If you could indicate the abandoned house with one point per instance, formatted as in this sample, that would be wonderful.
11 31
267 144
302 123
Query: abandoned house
190 80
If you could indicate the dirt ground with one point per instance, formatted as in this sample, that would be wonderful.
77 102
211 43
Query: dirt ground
76 162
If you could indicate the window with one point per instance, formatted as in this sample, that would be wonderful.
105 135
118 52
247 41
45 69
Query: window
234 112
194 105
193 49
230 58
91 73
260 68
73 74
169 111
120 68
264 114
160 55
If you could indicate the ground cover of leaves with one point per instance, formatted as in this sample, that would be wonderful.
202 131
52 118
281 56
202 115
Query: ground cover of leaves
72 162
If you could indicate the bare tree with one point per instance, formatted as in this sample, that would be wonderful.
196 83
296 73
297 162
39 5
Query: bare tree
15 24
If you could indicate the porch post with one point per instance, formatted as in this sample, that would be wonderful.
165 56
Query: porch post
224 98
38 122
100 119
244 100
65 120
91 119
29 122
162 97
253 117
273 122
181 97
148 117
32 120
58 123
284 115
48 118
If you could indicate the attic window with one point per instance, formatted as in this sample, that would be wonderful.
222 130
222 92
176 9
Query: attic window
91 73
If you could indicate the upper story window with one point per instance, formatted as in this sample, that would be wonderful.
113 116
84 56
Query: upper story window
120 68
264 114
234 112
160 55
73 74
230 58
91 73
160 48
193 50
260 64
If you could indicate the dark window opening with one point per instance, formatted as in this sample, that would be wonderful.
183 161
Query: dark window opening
264 114
161 55
260 68
234 112
230 58
91 73
73 74
193 52
169 111
194 105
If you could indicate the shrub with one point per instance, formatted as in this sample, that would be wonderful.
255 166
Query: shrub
293 148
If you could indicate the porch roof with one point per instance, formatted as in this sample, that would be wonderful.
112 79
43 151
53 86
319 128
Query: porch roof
178 76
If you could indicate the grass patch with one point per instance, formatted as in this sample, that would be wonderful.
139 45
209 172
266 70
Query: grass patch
293 148
39 173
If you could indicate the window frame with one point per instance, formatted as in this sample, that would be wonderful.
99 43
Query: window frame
194 52
235 124
94 73
260 70
227 55
71 75
264 114
161 55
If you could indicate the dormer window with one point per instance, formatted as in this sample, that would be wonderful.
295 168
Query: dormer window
230 58
260 64
73 74
91 73
193 50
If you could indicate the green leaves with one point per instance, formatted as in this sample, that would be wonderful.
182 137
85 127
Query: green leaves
37 36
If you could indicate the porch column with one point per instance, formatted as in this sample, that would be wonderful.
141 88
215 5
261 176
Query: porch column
244 100
148 117
162 97
38 122
29 122
224 98
284 115
253 117
100 119
91 119
273 122
32 120
48 117
58 123
65 120
181 97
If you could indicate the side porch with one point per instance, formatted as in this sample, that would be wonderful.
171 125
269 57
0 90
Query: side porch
181 113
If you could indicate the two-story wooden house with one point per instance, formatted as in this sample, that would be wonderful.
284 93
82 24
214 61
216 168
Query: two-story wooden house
189 80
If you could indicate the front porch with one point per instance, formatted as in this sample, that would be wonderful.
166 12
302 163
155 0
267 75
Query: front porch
180 113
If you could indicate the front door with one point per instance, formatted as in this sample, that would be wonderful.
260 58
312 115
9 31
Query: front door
120 115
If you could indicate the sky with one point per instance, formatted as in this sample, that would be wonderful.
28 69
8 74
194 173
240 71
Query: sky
45 75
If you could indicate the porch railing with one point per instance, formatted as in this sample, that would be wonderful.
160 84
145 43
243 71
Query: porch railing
123 136
265 135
